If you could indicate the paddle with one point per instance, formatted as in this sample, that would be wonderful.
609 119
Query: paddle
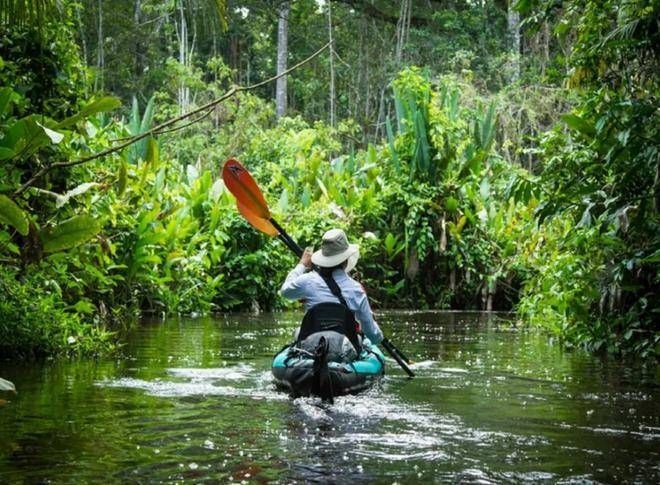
252 205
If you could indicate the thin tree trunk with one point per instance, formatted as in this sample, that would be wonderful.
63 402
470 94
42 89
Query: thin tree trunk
234 57
83 43
513 23
656 184
332 69
380 119
402 28
81 32
282 54
546 47
362 85
138 45
182 34
100 57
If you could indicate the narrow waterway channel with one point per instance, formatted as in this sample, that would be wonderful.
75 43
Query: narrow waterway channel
192 400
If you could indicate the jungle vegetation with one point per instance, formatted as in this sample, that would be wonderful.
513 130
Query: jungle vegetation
485 155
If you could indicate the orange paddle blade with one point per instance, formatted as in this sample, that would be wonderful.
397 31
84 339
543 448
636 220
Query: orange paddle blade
264 225
241 184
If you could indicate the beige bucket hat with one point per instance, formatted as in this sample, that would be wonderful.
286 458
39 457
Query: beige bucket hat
335 249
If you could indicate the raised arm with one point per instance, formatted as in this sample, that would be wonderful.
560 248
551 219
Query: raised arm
366 318
292 287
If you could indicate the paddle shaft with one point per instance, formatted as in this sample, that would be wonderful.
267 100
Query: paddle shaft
398 351
286 239
393 351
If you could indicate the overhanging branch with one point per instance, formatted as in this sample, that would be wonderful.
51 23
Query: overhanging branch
163 126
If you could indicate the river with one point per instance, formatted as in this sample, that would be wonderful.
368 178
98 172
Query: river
192 400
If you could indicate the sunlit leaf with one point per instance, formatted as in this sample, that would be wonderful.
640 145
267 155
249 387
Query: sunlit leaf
217 189
6 385
192 173
54 136
79 190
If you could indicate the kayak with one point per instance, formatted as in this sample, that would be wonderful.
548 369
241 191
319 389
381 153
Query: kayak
298 372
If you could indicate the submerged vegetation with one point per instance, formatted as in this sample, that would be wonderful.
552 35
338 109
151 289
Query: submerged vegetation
485 180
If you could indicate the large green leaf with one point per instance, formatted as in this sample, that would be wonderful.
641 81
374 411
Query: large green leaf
69 234
107 103
13 215
27 135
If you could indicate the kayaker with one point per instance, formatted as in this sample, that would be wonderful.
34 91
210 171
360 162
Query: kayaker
336 259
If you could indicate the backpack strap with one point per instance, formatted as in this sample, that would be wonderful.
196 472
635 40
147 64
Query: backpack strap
334 287
335 290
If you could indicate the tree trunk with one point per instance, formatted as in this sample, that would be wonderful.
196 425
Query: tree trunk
282 54
100 57
333 113
234 57
138 44
402 29
513 23
83 43
81 31
182 34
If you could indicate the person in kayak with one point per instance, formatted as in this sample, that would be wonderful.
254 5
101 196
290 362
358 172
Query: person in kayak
333 261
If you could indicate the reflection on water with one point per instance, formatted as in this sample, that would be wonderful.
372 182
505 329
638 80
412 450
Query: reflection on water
193 400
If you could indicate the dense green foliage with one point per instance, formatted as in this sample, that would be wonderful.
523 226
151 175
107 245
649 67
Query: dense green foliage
600 184
485 180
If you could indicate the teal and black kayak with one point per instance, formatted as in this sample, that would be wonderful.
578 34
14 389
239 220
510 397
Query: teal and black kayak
301 373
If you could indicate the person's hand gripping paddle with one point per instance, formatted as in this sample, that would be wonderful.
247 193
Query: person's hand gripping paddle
252 205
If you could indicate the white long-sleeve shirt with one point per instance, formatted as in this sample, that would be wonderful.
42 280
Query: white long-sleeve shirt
311 288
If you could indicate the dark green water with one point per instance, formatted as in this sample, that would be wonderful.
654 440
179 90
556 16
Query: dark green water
192 401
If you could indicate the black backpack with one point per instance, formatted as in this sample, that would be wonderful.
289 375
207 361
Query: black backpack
332 316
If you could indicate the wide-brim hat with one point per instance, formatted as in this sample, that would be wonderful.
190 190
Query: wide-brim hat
335 249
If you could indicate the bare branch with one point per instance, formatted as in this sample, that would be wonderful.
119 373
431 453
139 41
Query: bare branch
161 128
